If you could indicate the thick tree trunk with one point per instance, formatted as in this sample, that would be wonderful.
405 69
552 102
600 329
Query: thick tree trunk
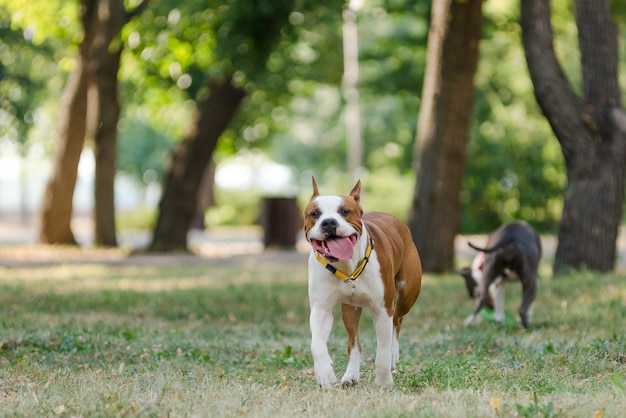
281 221
443 130
56 210
591 130
188 162
107 62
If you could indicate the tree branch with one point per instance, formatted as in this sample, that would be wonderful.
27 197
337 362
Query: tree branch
563 108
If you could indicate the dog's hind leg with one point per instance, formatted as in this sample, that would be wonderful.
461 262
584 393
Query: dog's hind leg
529 288
497 289
383 323
395 344
351 315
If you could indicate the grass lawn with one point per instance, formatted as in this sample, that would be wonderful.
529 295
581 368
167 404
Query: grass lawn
110 335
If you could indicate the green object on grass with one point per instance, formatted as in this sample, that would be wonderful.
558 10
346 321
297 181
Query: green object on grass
489 315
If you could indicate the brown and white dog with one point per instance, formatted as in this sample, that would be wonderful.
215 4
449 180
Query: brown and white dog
358 260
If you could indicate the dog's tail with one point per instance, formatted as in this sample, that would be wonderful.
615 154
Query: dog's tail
497 246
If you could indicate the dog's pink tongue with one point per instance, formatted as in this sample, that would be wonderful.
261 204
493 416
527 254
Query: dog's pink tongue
340 248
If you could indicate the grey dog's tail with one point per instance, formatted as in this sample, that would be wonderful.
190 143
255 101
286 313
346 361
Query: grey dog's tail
497 246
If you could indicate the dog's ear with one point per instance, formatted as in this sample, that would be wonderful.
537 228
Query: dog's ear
316 191
470 284
355 193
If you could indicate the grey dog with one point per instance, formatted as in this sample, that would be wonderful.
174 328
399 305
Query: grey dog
512 253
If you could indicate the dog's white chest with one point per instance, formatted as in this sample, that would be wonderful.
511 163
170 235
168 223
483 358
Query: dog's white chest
356 296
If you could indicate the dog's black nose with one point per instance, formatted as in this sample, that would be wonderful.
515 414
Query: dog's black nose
329 226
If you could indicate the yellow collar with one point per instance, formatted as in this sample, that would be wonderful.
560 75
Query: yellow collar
357 272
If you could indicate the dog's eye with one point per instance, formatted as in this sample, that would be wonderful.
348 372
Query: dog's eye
315 214
344 212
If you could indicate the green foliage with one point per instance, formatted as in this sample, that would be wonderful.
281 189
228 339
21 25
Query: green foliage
175 47
249 31
27 73
43 20
234 208
387 190
515 168
392 63
142 218
304 67
392 49
142 150
167 54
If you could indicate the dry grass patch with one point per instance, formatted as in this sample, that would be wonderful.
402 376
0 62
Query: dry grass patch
230 337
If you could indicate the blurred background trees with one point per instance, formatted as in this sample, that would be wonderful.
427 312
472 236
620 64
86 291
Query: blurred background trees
289 122
244 34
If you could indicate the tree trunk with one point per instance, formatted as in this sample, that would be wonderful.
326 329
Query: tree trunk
188 162
56 209
591 130
106 61
443 129
281 221
206 196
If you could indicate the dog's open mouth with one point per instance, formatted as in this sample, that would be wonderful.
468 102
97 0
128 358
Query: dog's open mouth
335 248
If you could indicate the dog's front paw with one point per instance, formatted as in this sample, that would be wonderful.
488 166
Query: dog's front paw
325 377
384 380
350 378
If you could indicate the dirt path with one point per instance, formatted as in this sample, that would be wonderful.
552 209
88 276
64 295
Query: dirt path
18 248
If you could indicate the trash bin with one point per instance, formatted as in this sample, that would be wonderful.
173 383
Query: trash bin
281 221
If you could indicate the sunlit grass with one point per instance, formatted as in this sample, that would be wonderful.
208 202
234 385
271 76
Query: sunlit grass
187 336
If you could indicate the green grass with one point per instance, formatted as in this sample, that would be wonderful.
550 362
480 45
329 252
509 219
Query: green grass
192 337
